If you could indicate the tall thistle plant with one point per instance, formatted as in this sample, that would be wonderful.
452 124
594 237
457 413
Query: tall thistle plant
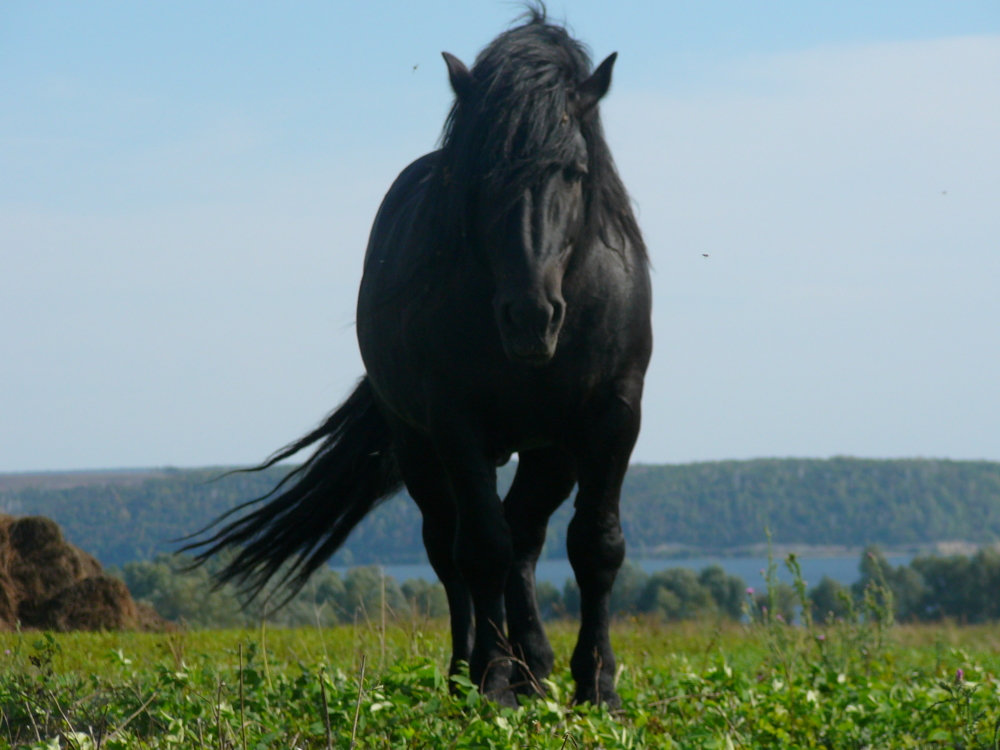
838 647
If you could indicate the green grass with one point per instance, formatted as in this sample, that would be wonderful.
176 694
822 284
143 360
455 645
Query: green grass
690 685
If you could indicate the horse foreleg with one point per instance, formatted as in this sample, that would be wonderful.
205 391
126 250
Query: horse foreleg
595 542
483 554
425 481
543 481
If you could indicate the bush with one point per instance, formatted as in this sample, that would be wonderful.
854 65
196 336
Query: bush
907 585
426 599
363 594
571 598
784 602
676 594
727 591
185 596
550 601
190 596
318 603
831 600
967 589
629 586
963 588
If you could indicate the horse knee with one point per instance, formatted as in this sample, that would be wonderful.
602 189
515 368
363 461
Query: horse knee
596 551
439 541
484 553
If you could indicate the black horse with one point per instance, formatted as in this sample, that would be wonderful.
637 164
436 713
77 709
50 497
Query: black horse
505 306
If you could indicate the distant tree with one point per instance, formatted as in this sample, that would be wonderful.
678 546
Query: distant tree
727 591
550 601
363 595
189 596
629 585
907 584
425 599
673 593
571 597
676 594
784 604
183 596
318 603
963 588
830 600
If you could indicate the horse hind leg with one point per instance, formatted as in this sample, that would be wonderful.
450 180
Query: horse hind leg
543 481
425 481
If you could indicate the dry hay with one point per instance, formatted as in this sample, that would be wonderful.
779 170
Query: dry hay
48 583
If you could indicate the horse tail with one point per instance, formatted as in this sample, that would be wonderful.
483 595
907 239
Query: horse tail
310 512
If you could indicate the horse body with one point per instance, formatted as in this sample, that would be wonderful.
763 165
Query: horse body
430 346
458 407
504 307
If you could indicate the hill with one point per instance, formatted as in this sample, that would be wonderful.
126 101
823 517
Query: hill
719 507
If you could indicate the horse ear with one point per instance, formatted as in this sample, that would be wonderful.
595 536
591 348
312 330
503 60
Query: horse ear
594 88
459 75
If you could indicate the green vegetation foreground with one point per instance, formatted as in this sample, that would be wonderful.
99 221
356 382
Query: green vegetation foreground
691 685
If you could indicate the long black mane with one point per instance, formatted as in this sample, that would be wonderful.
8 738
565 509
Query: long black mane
514 126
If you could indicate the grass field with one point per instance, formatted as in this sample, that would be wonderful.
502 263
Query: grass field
690 685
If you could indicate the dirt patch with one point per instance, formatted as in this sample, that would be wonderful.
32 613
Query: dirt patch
48 583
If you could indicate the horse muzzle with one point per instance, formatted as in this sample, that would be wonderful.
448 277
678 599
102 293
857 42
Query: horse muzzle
529 329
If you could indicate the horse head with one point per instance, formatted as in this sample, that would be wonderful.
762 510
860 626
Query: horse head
528 212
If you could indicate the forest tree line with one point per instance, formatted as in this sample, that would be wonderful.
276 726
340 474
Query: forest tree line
704 508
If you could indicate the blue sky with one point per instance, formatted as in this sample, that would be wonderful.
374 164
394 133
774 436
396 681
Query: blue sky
186 190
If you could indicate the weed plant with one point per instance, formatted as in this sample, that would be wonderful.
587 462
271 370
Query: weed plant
857 682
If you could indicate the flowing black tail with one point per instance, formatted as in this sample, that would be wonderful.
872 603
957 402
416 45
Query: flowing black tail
352 471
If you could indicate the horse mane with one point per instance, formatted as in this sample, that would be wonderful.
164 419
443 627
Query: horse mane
511 128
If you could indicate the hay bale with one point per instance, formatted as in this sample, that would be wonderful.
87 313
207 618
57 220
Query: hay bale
8 602
47 583
8 592
95 603
43 564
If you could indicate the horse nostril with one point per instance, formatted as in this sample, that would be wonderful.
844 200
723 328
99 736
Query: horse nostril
558 313
530 318
538 319
507 315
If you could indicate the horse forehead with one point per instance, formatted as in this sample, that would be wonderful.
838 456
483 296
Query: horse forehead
564 145
543 180
579 143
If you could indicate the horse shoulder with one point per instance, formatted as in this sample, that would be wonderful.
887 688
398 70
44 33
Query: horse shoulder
611 280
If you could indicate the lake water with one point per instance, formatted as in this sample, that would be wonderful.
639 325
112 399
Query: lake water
842 569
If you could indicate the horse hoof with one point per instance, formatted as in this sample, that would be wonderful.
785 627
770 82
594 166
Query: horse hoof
527 679
504 697
530 688
610 699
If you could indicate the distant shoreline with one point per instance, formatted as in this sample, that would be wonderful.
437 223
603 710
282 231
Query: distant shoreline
815 508
810 551
67 480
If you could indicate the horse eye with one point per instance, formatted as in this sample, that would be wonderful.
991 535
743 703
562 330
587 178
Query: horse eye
574 172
